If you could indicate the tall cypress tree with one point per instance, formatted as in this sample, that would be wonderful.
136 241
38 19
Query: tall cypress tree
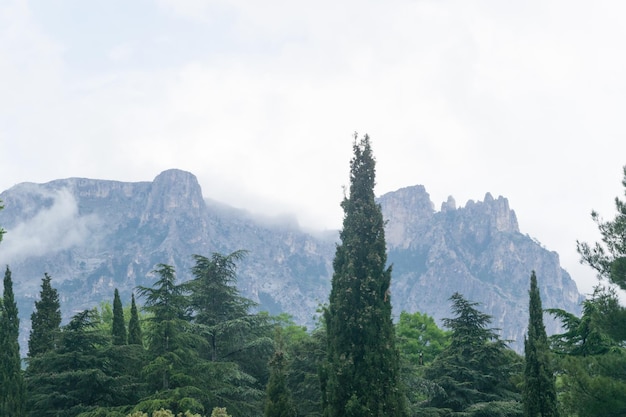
134 328
539 394
45 320
12 388
118 329
362 370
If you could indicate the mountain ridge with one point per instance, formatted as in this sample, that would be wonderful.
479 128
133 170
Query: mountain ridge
93 236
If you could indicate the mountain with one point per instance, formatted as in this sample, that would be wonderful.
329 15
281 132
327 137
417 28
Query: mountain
93 236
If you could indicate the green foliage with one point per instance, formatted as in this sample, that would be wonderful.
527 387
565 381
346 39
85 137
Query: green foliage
278 402
594 385
609 257
599 330
419 338
476 366
169 342
135 336
592 360
163 413
237 344
420 341
71 378
219 412
361 376
539 393
45 320
118 330
495 409
12 388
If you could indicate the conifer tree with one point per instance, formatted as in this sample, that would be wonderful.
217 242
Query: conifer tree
279 402
12 388
539 394
476 366
134 327
361 376
118 329
45 320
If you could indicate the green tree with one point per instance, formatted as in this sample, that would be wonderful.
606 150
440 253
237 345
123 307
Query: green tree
609 257
45 320
172 346
167 305
539 393
361 377
118 330
134 327
237 343
477 366
12 388
591 357
420 341
305 352
71 378
278 402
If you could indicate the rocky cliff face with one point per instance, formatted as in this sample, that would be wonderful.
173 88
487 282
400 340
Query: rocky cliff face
93 236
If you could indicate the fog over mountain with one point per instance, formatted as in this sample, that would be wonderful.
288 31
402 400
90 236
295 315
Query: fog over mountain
93 236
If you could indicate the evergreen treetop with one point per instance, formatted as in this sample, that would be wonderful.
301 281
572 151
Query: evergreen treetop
134 327
45 320
118 328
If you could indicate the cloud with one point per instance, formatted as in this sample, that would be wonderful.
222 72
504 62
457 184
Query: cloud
50 230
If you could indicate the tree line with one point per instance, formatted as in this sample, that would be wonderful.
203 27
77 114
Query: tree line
199 348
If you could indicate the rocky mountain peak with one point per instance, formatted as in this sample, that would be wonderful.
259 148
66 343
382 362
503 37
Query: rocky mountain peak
173 192
405 211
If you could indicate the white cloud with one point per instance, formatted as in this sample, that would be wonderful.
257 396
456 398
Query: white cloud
51 230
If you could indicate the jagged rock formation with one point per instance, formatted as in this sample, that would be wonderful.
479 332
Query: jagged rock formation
93 236
476 250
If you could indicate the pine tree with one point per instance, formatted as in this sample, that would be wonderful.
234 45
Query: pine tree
609 257
361 377
45 320
12 388
118 329
539 394
134 327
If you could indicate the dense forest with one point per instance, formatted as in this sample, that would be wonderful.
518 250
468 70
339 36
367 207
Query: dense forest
199 348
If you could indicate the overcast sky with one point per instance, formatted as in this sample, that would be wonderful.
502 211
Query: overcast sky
260 100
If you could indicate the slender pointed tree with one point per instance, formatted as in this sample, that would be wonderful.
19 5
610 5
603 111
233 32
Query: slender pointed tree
12 388
118 329
539 393
361 376
134 327
45 320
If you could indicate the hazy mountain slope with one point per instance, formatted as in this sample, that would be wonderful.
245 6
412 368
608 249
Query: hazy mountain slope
95 235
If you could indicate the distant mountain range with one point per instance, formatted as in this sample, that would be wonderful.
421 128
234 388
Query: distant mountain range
93 236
